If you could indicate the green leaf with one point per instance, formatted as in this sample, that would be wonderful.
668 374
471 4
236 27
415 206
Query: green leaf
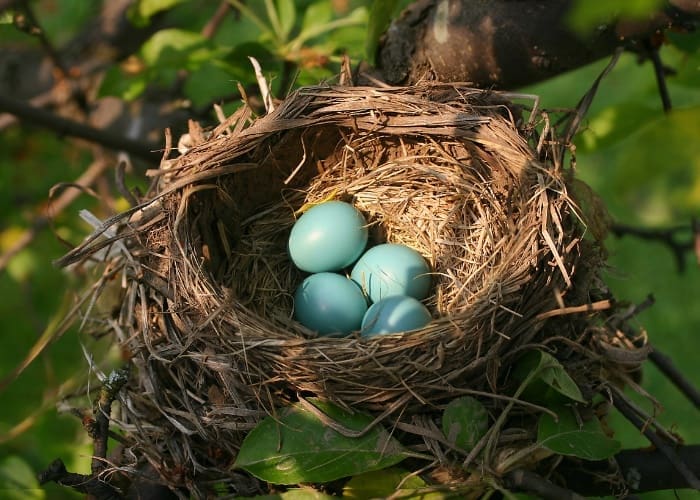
179 49
117 83
547 369
465 421
392 482
380 16
293 494
286 13
210 82
569 437
140 13
297 447
17 480
585 15
317 14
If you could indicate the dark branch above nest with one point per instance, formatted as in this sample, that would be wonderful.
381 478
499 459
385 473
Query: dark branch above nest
507 44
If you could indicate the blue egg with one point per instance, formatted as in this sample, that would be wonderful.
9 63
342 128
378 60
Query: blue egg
394 314
392 269
328 237
329 303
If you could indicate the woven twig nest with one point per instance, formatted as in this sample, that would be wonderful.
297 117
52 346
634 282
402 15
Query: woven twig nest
451 171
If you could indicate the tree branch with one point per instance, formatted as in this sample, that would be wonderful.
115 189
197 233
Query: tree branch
496 44
643 470
668 368
90 485
660 73
667 236
27 22
524 480
620 402
63 126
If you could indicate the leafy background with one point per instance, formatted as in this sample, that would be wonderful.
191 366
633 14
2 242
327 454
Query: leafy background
643 163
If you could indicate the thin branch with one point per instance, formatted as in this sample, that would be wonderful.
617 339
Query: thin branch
524 480
659 72
90 485
669 237
98 429
63 126
28 23
620 402
643 470
213 24
668 368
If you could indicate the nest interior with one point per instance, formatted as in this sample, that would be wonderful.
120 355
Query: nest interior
452 171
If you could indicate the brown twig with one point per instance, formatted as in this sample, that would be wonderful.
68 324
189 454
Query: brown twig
90 485
620 402
98 429
668 237
213 24
63 126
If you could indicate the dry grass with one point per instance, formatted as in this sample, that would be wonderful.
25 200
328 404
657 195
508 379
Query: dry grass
446 169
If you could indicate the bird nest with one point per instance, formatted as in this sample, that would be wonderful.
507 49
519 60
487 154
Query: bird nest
206 308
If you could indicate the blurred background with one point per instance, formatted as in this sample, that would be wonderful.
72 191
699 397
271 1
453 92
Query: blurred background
173 61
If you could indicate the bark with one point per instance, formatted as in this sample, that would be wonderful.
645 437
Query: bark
506 43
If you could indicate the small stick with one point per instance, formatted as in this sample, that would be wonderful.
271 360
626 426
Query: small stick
668 368
214 23
99 428
524 480
620 402
90 485
30 25
660 73
666 236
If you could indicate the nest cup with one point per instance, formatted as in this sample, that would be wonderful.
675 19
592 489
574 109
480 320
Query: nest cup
448 170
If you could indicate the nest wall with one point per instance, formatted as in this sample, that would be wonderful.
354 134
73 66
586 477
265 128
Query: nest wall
451 171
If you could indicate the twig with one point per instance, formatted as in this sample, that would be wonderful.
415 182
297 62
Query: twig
98 429
42 118
665 364
213 24
524 480
643 470
90 485
620 402
29 24
659 72
668 237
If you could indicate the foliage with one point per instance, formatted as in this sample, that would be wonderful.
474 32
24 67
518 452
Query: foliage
645 165
297 446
